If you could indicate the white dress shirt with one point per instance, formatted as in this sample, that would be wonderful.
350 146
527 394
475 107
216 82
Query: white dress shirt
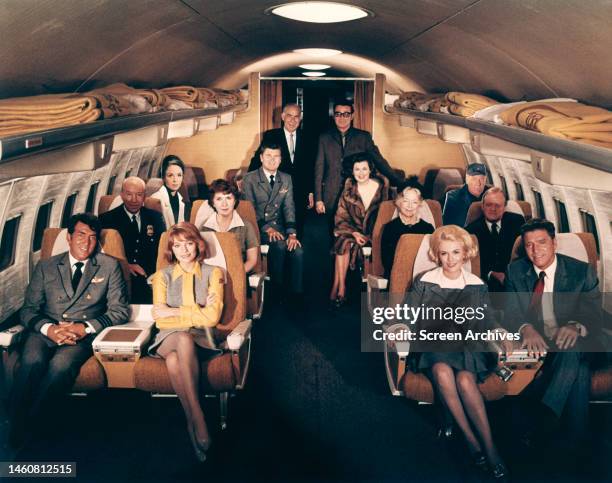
288 139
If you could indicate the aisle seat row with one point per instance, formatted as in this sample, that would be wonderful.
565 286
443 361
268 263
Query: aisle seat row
120 360
411 259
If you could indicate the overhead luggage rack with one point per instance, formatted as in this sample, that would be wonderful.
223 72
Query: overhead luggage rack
12 147
585 154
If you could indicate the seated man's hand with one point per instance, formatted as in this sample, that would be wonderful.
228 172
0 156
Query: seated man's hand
360 239
311 203
507 346
566 337
274 235
74 330
60 335
136 270
499 276
320 207
293 242
533 341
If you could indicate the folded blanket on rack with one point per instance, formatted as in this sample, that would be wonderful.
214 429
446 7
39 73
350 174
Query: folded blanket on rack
21 115
474 102
120 100
567 120
416 100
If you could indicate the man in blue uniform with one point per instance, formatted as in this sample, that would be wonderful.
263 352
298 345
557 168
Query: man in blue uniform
457 202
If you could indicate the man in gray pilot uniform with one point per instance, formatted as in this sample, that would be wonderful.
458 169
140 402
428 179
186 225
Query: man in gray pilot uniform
271 192
71 297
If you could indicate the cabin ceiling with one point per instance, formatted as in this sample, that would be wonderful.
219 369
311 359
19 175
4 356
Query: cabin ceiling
509 49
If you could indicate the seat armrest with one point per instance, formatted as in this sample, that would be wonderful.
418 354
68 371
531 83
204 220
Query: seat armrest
264 249
239 335
256 279
401 347
376 282
11 336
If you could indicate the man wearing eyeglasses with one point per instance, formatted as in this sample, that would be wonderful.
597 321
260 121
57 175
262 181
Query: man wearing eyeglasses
334 145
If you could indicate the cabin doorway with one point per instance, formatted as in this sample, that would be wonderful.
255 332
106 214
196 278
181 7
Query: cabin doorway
316 99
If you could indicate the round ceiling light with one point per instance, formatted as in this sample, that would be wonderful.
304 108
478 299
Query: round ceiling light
319 12
318 52
315 66
311 73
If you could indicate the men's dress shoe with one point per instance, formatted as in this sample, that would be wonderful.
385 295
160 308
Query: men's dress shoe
499 471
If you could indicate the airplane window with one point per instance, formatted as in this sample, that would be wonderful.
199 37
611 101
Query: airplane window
42 222
562 217
541 213
111 185
91 197
588 221
519 191
68 209
504 186
9 243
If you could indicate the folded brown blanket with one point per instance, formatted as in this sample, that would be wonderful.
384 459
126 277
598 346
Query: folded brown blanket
567 120
415 100
471 101
21 115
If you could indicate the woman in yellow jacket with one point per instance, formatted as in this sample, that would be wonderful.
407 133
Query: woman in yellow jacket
187 304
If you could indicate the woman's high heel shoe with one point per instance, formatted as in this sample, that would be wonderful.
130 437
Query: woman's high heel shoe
479 460
199 448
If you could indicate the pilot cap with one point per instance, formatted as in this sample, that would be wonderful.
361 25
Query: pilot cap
476 169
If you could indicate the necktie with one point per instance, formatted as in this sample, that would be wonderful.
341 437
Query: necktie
291 147
76 276
343 140
535 305
271 181
134 224
494 230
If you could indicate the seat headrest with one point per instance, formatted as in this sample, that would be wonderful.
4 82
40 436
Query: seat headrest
571 245
200 212
514 207
116 202
153 184
214 252
60 245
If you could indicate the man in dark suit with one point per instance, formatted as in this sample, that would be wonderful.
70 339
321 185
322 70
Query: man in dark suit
457 202
336 144
496 231
71 297
554 302
140 228
296 159
271 192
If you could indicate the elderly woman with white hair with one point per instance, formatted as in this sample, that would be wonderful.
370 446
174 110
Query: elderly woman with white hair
408 221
